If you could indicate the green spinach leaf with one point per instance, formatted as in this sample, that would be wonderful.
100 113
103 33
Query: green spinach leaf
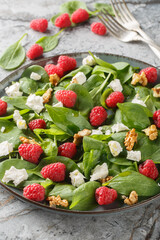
37 69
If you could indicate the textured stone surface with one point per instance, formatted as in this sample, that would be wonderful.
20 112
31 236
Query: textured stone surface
21 221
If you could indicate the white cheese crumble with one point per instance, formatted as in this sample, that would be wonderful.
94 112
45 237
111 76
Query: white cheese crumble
21 123
138 101
107 132
13 90
35 76
3 129
35 102
89 60
79 78
134 155
77 178
115 148
96 132
5 148
116 85
99 172
17 116
119 127
15 175
59 104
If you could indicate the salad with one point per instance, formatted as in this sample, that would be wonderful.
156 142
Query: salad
76 137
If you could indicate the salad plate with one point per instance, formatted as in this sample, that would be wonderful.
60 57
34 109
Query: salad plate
116 206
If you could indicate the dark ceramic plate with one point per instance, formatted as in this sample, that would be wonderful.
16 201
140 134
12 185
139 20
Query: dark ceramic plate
112 208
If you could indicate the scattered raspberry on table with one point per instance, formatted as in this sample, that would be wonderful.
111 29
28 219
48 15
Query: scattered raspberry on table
35 51
97 116
67 97
52 69
114 98
67 149
30 152
63 21
98 28
40 25
37 123
80 15
151 74
105 196
3 108
156 118
34 192
54 171
67 63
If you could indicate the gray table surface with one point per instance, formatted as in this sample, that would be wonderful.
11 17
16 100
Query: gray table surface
19 220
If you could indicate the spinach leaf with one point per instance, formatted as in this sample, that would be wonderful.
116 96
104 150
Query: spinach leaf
102 63
28 85
37 69
93 81
64 190
124 71
18 102
13 56
92 144
101 69
84 196
129 181
49 42
67 119
49 147
121 161
104 96
85 69
22 112
7 124
33 178
106 6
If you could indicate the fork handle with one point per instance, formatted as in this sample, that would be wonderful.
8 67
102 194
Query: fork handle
145 36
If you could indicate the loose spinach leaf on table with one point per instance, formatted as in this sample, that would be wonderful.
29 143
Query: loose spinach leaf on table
13 56
106 6
37 69
64 190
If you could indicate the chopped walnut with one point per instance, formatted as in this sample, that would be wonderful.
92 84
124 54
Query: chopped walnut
28 141
133 198
79 136
139 78
53 201
47 95
156 92
54 79
152 132
74 80
130 139
103 180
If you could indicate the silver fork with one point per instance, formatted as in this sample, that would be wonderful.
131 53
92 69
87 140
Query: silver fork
119 32
125 18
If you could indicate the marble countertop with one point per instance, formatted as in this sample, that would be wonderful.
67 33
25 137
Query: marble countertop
21 221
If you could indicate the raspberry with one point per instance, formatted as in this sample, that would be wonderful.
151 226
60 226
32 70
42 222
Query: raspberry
156 118
40 25
98 28
67 63
105 195
80 15
148 168
151 74
30 152
114 98
63 21
67 97
97 116
3 107
54 171
67 149
35 51
52 69
37 123
34 192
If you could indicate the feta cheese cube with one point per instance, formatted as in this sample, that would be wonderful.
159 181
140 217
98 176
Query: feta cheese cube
35 102
115 148
35 76
116 85
96 132
89 60
134 155
119 127
107 132
99 172
17 116
15 175
59 104
21 124
77 178
3 129
13 90
79 78
5 148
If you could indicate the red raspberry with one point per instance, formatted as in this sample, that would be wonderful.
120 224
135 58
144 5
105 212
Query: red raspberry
34 192
40 25
67 63
63 21
98 28
35 51
67 149
156 118
105 195
54 171
37 123
30 152
80 15
97 116
67 97
52 69
3 107
148 169
114 98
151 74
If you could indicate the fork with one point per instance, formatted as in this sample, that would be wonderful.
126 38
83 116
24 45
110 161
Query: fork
119 32
125 18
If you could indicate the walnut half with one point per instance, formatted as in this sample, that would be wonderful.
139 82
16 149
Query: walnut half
103 180
130 139
156 92
28 141
79 136
152 132
54 79
132 199
139 78
47 95
53 201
